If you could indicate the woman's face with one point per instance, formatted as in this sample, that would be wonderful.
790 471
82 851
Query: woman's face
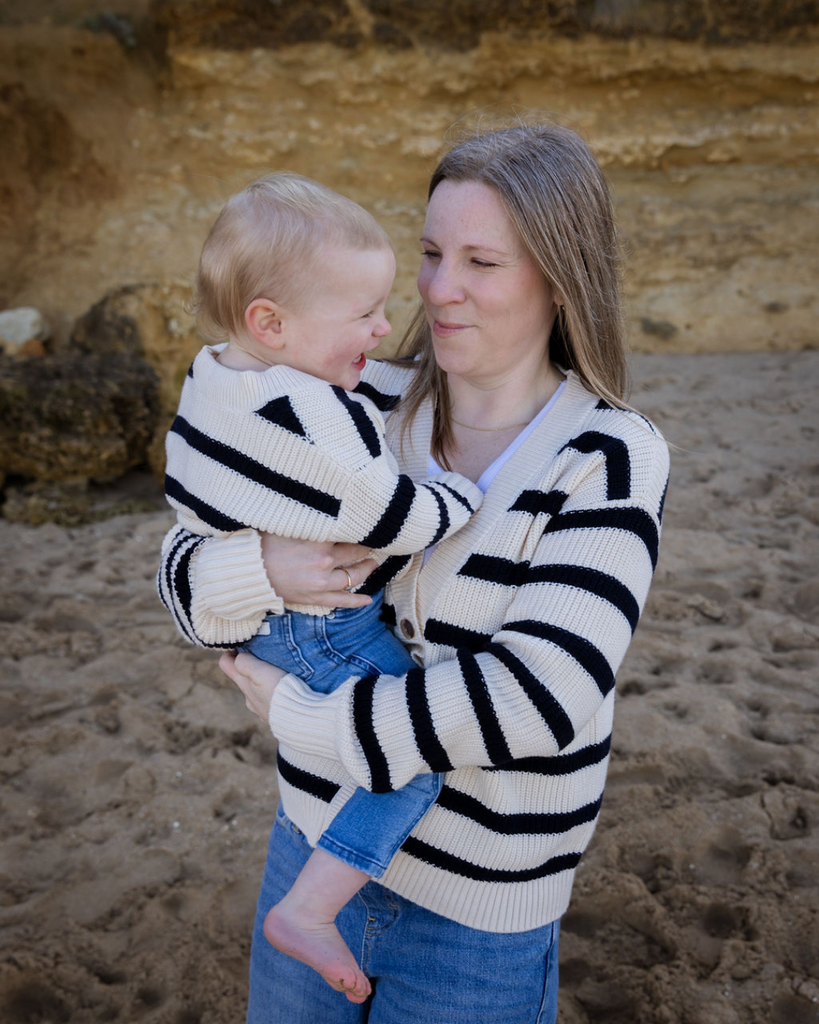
488 305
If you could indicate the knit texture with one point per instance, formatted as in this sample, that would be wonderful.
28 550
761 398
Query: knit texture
520 622
284 452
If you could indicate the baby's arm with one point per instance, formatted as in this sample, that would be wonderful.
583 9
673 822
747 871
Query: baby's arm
219 589
216 588
394 515
336 481
387 510
322 473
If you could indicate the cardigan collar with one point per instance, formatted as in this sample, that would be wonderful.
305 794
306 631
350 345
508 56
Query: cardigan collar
523 469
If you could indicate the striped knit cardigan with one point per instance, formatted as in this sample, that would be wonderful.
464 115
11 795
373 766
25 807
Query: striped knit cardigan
284 452
518 624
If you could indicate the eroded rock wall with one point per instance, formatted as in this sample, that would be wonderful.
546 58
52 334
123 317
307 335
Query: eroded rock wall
459 24
115 166
124 139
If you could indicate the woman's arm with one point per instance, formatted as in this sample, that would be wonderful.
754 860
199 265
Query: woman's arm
528 686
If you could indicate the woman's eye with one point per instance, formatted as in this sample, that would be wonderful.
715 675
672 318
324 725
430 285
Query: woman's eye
430 254
483 263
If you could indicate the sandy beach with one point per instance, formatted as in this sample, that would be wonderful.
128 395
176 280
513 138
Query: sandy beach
138 791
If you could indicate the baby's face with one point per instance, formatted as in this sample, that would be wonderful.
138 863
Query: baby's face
343 316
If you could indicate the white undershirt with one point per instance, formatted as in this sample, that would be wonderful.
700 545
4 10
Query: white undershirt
492 471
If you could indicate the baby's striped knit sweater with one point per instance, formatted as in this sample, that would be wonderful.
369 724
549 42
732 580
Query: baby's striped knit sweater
284 452
518 624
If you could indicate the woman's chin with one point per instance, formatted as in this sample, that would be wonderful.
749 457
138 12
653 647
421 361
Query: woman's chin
451 361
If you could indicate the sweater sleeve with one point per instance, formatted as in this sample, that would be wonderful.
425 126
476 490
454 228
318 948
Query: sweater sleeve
315 468
392 514
526 687
382 508
216 588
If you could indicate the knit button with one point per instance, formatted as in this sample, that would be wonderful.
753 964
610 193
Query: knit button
407 629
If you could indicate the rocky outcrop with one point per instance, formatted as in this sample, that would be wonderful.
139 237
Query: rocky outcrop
459 24
244 24
150 322
710 148
40 150
23 332
78 501
101 405
116 163
75 415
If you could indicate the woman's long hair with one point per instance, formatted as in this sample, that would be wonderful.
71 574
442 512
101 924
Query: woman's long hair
557 198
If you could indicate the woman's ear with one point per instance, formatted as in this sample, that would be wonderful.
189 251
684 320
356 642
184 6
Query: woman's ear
263 319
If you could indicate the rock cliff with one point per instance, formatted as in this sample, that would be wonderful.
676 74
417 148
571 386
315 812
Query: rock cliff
125 133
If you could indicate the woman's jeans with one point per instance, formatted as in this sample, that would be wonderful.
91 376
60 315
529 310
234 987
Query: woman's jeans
425 969
325 651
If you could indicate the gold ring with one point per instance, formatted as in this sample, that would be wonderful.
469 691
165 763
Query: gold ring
349 586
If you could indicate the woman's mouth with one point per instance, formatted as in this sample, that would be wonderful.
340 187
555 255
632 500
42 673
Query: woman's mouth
447 330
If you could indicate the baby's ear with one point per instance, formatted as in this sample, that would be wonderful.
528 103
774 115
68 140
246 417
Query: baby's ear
264 321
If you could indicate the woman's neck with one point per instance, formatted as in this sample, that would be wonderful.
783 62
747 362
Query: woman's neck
488 416
489 405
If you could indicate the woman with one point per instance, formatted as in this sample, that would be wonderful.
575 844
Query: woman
517 623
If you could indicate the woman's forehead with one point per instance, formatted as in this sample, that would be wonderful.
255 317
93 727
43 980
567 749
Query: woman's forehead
471 215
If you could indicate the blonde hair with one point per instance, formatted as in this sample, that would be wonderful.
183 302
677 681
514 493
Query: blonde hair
557 198
267 242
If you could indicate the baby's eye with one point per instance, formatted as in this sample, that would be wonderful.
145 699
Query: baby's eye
366 315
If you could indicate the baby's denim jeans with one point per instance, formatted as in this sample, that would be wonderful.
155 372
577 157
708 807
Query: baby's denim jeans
325 651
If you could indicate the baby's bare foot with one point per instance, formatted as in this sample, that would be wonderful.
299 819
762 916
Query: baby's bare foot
317 943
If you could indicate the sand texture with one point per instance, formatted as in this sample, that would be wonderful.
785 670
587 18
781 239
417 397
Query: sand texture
137 790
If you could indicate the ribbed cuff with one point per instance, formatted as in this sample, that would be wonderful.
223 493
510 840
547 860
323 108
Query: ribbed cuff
231 580
308 721
473 494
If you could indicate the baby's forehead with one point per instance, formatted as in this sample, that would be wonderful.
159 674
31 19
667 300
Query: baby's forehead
350 277
364 263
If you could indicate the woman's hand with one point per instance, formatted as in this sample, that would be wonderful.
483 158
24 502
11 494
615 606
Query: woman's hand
256 679
308 572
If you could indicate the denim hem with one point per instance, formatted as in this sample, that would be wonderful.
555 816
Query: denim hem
351 857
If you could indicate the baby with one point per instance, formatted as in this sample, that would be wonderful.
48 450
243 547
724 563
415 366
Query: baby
293 280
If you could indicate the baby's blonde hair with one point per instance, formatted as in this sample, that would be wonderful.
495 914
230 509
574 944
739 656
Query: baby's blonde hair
267 243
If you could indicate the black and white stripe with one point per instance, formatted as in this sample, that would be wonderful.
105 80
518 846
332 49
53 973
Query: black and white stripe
232 458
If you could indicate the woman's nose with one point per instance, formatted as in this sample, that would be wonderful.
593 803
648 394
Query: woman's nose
443 287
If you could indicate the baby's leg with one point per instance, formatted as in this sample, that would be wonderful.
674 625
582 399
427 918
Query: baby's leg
302 925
